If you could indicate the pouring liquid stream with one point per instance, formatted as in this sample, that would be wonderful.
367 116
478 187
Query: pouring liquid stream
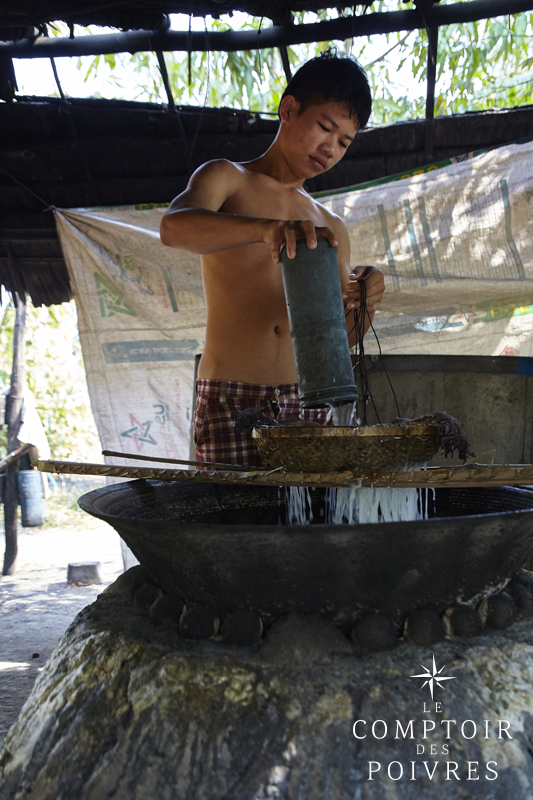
356 504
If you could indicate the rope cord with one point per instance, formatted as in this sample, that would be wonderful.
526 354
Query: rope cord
40 199
385 370
359 317
206 98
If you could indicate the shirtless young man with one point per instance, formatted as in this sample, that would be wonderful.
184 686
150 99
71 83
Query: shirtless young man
238 216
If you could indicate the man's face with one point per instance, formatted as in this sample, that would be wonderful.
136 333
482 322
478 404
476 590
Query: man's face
316 139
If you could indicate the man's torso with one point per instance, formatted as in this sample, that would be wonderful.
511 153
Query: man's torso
248 336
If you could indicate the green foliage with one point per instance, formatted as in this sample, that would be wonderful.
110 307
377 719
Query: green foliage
481 65
56 376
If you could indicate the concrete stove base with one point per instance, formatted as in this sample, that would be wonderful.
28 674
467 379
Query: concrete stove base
128 711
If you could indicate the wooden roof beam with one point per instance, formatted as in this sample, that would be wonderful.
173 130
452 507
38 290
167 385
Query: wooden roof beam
275 36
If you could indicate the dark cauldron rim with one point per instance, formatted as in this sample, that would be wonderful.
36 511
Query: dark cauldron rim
87 503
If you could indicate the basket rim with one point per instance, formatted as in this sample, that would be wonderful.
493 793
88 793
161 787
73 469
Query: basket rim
337 431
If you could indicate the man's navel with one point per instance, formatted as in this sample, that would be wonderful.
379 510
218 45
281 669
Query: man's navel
277 330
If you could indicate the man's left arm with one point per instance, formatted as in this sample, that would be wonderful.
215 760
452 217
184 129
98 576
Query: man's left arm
351 290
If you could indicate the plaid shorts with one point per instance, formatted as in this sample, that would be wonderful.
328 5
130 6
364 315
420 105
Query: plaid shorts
214 434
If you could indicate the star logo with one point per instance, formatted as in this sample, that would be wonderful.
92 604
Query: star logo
139 432
432 678
110 299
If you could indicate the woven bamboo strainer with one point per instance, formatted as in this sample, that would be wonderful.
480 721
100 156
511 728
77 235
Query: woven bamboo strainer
366 451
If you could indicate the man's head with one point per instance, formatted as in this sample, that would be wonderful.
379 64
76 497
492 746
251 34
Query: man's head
330 77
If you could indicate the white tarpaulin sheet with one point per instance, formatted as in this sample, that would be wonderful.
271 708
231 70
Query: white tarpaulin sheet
455 244
141 317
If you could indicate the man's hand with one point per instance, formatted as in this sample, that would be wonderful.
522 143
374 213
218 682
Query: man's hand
278 232
375 287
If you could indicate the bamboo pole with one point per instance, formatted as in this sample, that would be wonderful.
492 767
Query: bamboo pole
475 475
13 416
201 464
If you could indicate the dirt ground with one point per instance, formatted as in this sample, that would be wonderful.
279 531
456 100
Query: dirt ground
37 604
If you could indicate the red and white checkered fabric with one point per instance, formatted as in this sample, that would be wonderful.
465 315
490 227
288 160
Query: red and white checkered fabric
215 437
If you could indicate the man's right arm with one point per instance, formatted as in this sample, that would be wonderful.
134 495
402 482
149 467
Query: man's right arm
193 221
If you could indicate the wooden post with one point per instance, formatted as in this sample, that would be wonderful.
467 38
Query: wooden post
433 43
13 414
284 53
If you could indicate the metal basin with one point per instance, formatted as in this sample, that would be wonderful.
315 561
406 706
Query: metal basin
227 546
366 451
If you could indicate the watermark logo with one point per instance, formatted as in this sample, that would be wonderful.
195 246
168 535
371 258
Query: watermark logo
432 744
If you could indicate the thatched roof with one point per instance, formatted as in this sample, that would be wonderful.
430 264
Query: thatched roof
104 152
135 14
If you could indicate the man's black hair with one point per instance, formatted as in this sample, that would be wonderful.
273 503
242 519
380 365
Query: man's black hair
332 77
